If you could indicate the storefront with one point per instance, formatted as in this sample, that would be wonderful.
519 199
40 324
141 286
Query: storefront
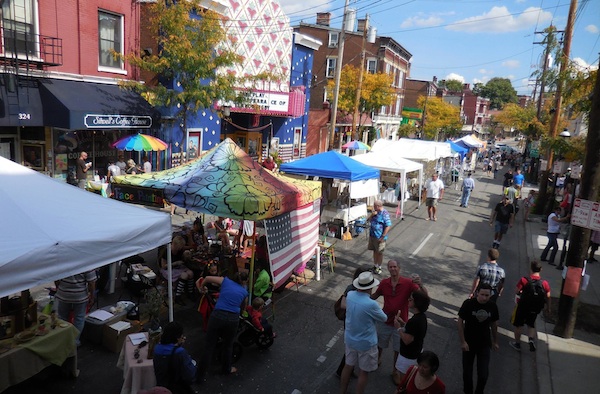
90 117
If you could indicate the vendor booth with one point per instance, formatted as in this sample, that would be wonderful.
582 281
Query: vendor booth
41 243
363 181
227 182
385 162
412 149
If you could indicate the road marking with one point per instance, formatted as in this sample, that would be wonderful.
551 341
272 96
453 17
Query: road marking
338 335
422 244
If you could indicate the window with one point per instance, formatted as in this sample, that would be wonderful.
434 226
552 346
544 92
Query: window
110 38
372 66
331 63
333 39
19 27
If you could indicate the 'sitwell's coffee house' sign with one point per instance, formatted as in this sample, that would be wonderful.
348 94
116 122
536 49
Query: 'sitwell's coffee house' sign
93 121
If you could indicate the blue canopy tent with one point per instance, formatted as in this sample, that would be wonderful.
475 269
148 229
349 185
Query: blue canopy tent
458 148
334 165
331 164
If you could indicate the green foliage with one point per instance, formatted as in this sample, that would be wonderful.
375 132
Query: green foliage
195 51
441 118
454 85
406 130
376 90
500 92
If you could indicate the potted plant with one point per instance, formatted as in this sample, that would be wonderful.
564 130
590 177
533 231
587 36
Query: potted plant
154 301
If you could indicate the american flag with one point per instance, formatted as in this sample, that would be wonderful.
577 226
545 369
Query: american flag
292 239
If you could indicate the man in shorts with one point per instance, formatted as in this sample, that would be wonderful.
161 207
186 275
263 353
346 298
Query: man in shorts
503 216
360 335
527 310
380 225
435 193
396 291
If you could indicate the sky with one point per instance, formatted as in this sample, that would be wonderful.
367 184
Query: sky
469 40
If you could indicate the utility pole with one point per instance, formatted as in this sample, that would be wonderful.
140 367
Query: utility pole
580 237
558 97
361 71
338 74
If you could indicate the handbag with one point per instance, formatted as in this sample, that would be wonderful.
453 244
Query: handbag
340 312
402 387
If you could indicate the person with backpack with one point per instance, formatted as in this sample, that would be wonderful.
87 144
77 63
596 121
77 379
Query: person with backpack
533 296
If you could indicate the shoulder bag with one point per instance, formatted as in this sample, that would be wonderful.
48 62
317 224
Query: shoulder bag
402 387
340 311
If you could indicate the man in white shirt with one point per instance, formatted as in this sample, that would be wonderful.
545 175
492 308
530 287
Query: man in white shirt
147 165
435 193
113 170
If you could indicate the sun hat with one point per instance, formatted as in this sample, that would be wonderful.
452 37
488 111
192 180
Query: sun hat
365 281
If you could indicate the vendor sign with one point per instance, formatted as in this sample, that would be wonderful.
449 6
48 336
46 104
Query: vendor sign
138 195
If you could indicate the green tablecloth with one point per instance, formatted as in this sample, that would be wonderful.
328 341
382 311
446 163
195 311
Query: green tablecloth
56 346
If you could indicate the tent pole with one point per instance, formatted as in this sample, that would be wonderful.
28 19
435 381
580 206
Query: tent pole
251 273
169 281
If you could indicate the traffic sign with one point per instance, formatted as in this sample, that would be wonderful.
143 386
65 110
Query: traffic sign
586 214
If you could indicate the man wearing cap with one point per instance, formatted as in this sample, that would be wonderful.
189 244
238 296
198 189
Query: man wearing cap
502 218
360 336
467 187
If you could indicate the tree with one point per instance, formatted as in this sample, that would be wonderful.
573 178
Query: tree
377 91
454 85
500 91
441 118
193 53
406 130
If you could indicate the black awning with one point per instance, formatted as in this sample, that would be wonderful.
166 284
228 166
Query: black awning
79 105
20 102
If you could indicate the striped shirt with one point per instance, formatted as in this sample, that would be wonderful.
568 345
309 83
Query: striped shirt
74 289
490 273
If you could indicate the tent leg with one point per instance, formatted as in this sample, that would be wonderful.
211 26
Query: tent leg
318 264
169 281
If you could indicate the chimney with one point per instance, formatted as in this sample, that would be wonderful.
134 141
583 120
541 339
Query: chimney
434 79
361 25
466 86
323 18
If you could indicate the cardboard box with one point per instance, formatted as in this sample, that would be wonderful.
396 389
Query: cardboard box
113 339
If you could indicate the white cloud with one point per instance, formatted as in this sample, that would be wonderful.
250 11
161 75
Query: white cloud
421 20
510 76
500 20
582 65
455 77
592 29
485 71
511 64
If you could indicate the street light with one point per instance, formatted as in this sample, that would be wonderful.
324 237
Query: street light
565 133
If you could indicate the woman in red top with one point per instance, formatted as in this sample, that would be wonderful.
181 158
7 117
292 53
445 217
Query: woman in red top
423 379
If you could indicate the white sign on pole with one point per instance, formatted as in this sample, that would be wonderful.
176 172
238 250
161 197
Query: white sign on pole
575 170
586 214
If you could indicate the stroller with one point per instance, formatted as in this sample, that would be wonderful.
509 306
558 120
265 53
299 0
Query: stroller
247 336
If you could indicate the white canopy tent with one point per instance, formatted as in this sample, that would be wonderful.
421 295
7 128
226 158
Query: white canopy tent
471 142
386 162
413 149
52 230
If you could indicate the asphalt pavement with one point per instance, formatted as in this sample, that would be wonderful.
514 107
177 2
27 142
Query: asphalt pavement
309 345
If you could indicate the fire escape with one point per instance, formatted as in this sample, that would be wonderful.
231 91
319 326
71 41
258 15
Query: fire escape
21 51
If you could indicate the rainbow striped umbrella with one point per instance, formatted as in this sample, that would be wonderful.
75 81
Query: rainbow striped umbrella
140 142
355 144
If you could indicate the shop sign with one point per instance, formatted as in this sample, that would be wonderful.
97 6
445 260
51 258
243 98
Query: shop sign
94 121
138 195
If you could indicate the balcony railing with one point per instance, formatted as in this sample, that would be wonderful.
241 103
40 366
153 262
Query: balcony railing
21 47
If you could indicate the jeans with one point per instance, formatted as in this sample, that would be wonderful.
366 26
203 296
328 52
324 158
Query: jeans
552 244
483 363
465 196
224 325
79 308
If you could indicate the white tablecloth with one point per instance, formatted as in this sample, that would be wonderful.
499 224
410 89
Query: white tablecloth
136 376
355 212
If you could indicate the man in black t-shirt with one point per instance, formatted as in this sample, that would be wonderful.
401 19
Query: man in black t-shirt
502 218
478 333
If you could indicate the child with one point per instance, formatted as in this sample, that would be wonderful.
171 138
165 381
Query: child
255 313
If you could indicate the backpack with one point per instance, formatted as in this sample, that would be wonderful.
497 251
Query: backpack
533 295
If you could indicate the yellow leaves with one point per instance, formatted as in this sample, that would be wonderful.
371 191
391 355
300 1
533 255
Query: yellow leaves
439 116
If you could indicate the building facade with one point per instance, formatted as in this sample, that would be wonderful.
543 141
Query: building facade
382 54
59 82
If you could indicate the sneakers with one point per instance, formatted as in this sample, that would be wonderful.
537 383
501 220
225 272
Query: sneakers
377 270
532 345
515 345
496 245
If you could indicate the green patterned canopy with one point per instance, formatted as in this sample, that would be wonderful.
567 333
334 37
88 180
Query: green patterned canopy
227 182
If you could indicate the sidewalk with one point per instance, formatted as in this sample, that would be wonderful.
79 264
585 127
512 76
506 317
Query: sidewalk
563 365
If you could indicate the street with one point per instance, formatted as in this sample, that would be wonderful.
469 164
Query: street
309 345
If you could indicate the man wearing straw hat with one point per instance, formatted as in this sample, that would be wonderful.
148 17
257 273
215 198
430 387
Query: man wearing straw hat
360 336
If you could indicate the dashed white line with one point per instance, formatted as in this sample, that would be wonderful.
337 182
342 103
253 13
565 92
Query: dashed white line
422 244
